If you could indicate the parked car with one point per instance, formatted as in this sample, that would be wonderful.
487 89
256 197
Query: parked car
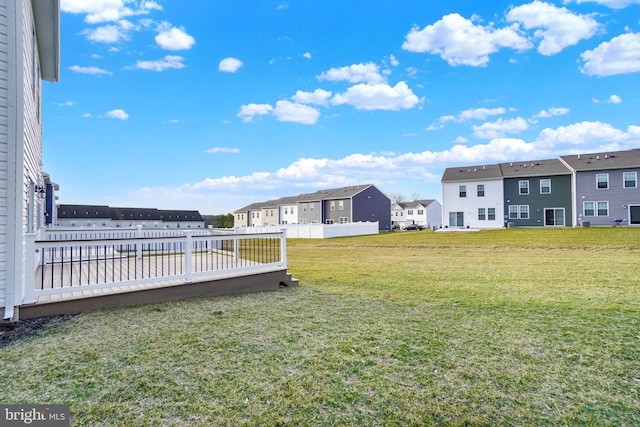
414 227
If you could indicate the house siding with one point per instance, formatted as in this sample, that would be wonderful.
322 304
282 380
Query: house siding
469 205
371 205
4 147
336 214
619 198
559 198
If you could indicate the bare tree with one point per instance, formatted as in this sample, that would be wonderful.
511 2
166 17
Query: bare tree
396 197
415 196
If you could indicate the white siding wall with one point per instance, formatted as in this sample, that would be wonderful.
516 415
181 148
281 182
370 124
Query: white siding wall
22 135
493 198
4 148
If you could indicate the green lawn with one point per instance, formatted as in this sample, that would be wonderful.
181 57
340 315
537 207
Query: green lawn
508 327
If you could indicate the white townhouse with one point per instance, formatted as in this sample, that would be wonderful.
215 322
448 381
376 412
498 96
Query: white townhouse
427 213
473 197
29 53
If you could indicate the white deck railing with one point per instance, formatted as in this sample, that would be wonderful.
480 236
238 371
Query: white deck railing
107 259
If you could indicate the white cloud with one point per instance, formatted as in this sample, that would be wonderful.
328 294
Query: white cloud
106 34
88 70
356 73
500 128
307 55
249 111
173 38
552 112
378 97
229 65
557 26
223 150
286 111
460 42
614 99
86 115
584 134
169 61
621 55
108 10
117 114
318 97
65 104
394 61
614 4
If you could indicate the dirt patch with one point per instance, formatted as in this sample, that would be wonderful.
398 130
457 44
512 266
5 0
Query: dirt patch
14 331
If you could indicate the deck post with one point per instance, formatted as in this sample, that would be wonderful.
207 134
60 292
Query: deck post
27 294
283 247
188 261
139 248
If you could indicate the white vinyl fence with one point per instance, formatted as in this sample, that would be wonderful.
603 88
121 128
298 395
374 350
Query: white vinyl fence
316 231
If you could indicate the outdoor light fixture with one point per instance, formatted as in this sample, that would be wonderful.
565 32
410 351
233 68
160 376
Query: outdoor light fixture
40 190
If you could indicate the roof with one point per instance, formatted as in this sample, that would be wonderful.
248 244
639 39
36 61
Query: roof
472 173
46 14
329 194
415 203
604 160
534 168
84 211
126 214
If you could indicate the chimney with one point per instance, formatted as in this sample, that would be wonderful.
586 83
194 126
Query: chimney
578 156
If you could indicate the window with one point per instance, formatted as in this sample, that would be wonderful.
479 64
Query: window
410 212
343 220
420 211
589 209
630 179
340 205
545 186
462 190
311 206
602 180
481 214
518 211
329 221
524 187
492 214
286 211
333 205
513 211
480 189
603 208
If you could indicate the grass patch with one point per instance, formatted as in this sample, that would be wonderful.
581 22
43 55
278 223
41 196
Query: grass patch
508 327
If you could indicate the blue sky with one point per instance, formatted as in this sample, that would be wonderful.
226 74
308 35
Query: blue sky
213 105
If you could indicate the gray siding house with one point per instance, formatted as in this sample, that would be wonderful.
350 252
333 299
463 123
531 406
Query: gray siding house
105 216
358 203
605 187
537 193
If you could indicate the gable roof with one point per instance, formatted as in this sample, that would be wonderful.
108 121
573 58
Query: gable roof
604 160
84 211
534 168
415 203
126 214
472 173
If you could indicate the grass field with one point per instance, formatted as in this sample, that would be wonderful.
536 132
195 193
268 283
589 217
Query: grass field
508 327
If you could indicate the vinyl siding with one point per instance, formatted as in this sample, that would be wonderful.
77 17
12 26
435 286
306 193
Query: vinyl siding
469 205
619 198
559 198
4 148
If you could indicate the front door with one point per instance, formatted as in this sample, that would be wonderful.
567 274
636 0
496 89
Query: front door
634 215
554 217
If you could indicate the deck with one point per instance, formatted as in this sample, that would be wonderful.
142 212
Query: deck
78 276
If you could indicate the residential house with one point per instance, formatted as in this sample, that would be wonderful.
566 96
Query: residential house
605 187
358 203
472 197
29 53
537 193
427 213
114 217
